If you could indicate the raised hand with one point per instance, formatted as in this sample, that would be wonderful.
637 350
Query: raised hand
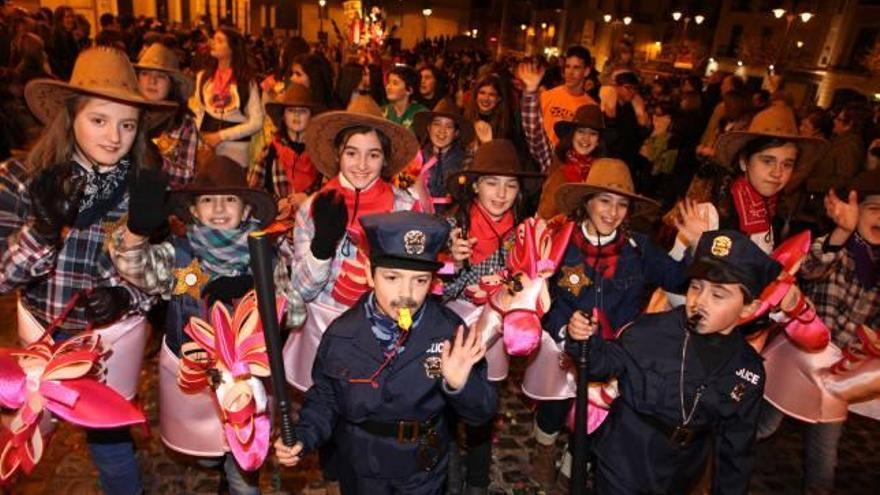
459 356
330 218
55 196
844 214
691 221
530 74
483 131
288 456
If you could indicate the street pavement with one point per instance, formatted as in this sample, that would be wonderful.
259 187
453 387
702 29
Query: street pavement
66 467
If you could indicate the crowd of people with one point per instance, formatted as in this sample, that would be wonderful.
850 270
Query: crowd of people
418 195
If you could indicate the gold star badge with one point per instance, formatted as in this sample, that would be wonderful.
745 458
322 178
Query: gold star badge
574 279
190 280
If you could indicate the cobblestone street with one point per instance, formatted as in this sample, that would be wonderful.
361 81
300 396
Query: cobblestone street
66 468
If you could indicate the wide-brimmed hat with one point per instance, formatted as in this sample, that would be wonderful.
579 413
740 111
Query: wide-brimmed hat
606 175
296 95
362 111
103 72
774 121
586 116
444 108
160 58
222 175
497 157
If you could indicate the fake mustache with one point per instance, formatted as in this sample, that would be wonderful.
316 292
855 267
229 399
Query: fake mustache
405 302
694 320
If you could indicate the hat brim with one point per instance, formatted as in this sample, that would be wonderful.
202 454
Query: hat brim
184 82
47 97
403 263
322 131
263 206
564 127
569 196
721 273
422 120
275 110
729 144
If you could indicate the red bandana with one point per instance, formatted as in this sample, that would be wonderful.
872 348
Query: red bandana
298 167
378 198
576 166
606 257
489 233
221 97
754 210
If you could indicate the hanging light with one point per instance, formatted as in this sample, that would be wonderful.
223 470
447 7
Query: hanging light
800 44
322 3
607 17
778 13
699 19
474 32
427 12
543 25
676 16
771 67
627 20
739 63
522 27
806 16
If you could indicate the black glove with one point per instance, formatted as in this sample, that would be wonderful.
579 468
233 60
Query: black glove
147 196
330 218
55 195
104 305
227 289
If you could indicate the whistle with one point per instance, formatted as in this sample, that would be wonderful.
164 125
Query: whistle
404 319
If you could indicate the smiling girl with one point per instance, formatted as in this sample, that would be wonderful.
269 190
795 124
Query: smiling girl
56 210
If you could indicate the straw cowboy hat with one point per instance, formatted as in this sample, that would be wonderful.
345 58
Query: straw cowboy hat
606 175
296 95
223 175
444 108
160 58
774 121
497 157
586 116
362 111
103 72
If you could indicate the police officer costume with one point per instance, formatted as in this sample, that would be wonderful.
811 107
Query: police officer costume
378 390
682 392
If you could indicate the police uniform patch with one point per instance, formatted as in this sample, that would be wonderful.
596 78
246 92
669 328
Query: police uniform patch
737 393
414 242
432 367
574 279
721 246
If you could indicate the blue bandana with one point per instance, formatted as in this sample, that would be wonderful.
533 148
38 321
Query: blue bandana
385 328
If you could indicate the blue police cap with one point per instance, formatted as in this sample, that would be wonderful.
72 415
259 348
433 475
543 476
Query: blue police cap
405 239
729 257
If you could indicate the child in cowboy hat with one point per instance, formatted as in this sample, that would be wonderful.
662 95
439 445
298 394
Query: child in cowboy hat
285 169
690 383
390 369
57 209
209 263
489 203
445 136
841 276
605 272
358 151
160 79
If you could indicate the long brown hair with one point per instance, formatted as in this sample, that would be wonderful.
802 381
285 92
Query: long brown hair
57 143
501 118
241 67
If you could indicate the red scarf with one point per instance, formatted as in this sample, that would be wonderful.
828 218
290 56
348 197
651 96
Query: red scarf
576 166
298 167
754 210
222 80
378 198
606 257
489 233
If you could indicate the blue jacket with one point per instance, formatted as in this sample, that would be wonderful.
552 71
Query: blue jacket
641 266
405 392
183 306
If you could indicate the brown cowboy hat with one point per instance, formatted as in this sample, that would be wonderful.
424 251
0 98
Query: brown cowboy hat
222 175
444 108
296 95
362 111
775 121
497 157
103 72
606 175
160 58
586 116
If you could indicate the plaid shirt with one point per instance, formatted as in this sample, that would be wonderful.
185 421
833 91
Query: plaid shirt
47 276
829 280
280 186
179 153
533 127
